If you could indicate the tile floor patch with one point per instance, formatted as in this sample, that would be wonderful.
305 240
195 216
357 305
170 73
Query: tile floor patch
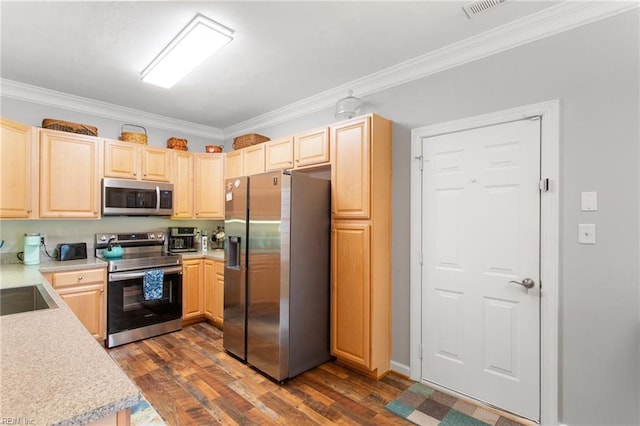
433 408
443 398
399 408
503 421
425 406
421 389
486 416
422 419
456 418
464 407
143 414
411 399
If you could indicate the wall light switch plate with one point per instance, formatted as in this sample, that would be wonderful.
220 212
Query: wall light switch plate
589 201
587 233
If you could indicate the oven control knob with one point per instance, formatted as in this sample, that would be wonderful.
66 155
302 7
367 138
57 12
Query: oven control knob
151 236
160 236
103 238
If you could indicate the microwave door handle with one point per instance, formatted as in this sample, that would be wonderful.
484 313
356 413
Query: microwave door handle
157 197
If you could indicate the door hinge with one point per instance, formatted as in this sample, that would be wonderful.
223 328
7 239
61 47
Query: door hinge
420 351
545 185
420 257
420 161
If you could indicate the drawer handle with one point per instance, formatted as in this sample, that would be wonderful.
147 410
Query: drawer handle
80 278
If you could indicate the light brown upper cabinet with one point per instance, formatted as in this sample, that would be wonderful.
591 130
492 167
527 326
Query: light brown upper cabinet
253 160
183 188
311 148
127 160
351 167
70 173
233 166
209 186
18 171
279 154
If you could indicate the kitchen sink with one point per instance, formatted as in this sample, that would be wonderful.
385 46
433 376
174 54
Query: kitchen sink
24 299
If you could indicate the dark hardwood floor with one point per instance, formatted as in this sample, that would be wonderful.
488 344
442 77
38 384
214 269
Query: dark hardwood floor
191 380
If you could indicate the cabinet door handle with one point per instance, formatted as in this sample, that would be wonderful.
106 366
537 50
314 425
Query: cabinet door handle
80 278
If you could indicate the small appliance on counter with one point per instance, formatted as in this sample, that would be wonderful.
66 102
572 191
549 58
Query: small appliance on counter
71 251
183 239
31 253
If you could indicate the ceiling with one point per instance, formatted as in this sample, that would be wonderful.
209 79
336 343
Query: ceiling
282 52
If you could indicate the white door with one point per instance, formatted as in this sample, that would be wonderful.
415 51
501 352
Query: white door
481 230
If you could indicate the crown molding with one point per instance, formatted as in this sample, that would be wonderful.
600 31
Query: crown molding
42 96
545 23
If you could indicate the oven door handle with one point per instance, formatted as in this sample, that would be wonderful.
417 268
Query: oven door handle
157 197
121 276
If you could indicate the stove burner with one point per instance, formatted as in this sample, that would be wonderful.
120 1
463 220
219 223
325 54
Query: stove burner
140 251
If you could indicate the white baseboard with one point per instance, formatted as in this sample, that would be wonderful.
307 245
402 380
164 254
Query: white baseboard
400 368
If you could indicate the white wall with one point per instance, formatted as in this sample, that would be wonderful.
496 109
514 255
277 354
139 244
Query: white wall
594 71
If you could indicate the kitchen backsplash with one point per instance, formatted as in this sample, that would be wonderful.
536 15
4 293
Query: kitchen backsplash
83 231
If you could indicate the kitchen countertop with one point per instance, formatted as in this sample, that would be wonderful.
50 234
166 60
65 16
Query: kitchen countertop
71 265
52 370
216 254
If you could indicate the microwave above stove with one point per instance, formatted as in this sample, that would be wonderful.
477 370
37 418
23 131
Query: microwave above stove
121 197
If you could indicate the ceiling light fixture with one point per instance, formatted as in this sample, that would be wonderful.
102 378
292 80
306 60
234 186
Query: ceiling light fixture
201 38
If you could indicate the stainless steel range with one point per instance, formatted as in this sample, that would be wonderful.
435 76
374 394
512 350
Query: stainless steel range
144 296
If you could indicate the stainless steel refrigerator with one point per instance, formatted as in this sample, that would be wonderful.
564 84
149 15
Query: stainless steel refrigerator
276 283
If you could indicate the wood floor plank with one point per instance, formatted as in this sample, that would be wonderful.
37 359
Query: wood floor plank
190 380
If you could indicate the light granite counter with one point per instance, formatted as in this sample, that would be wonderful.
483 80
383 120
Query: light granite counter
216 254
52 371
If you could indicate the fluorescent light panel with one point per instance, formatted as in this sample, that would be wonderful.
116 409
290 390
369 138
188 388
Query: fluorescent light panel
201 38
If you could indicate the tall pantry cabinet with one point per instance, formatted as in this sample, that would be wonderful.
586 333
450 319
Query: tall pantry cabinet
361 243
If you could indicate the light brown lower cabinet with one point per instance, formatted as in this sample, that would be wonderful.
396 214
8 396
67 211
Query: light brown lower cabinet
214 291
84 292
350 292
203 291
192 289
219 295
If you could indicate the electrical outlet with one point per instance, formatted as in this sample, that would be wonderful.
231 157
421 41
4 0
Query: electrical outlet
42 240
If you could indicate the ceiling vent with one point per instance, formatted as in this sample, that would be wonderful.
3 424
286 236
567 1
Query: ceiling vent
480 6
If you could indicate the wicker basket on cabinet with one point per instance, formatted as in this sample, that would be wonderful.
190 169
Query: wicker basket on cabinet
249 139
68 126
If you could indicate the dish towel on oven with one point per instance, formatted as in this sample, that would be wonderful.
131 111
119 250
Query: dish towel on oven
152 285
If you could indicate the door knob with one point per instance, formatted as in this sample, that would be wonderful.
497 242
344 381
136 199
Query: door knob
527 283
